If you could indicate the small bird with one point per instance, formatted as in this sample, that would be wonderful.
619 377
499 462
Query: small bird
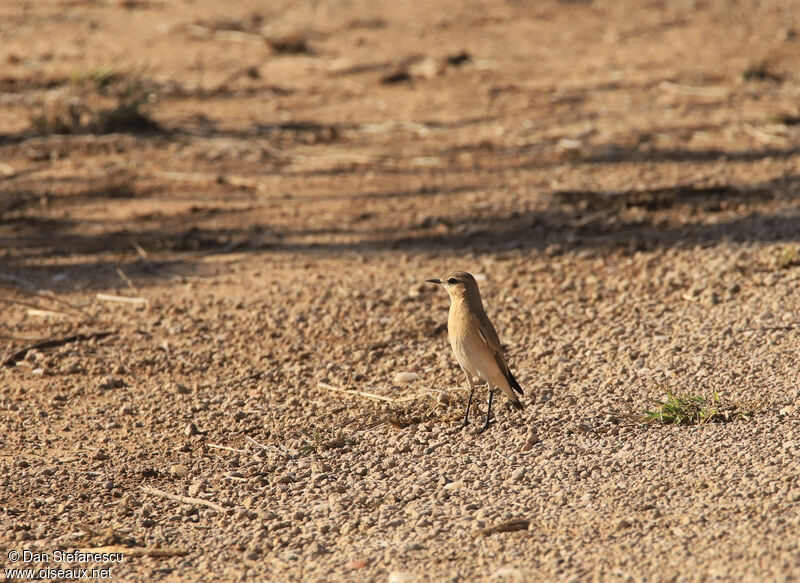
475 342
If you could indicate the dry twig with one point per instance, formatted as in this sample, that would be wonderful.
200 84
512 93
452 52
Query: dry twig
122 299
45 313
254 442
51 343
124 277
140 250
225 447
49 296
355 393
184 499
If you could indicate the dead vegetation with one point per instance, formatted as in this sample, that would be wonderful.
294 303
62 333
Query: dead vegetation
101 101
433 406
423 406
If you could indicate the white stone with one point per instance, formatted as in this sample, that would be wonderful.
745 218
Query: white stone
402 577
403 378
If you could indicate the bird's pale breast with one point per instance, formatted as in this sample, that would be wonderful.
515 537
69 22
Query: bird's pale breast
469 347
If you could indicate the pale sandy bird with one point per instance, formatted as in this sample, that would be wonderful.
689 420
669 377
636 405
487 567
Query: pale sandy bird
475 342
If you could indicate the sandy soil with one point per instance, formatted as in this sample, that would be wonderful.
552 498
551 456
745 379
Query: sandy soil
275 183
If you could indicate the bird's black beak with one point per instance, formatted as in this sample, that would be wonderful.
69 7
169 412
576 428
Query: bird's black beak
435 280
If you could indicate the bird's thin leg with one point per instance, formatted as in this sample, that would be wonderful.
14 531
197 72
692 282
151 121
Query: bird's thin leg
469 401
488 409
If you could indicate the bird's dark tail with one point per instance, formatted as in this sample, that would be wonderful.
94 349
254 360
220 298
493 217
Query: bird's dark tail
516 402
514 384
512 397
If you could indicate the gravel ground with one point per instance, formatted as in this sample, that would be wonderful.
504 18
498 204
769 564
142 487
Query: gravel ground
277 399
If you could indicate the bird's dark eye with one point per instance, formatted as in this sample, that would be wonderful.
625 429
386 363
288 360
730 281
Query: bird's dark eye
452 281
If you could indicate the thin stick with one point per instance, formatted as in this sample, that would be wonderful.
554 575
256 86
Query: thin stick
51 343
245 182
37 307
373 426
281 449
45 313
254 442
355 393
139 551
124 277
225 447
184 499
140 250
187 176
122 299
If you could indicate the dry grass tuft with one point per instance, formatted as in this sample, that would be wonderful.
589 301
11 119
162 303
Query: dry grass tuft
101 101
787 257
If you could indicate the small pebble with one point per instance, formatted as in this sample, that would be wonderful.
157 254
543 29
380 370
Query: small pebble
403 378
357 564
196 487
402 577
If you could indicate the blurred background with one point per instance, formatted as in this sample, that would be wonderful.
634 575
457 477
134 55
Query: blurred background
358 126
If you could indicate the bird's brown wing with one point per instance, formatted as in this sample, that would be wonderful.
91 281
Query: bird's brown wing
492 341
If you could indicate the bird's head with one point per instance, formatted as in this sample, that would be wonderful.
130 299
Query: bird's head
459 284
